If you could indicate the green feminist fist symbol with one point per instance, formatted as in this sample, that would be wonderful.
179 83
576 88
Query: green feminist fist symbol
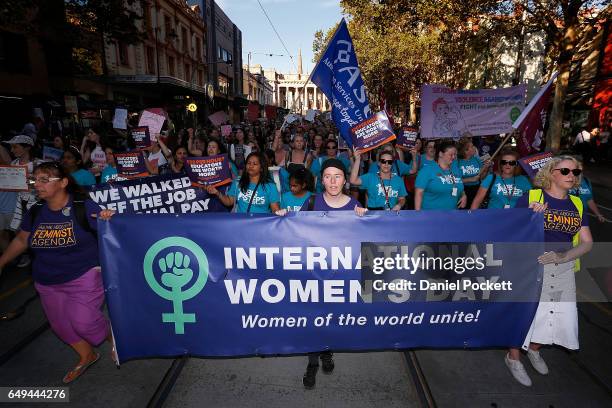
175 274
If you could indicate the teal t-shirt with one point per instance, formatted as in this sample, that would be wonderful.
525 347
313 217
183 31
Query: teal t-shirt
507 191
404 169
108 173
316 165
83 178
438 185
585 191
425 161
470 168
265 195
292 203
376 195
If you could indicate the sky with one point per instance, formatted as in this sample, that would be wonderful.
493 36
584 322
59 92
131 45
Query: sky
295 20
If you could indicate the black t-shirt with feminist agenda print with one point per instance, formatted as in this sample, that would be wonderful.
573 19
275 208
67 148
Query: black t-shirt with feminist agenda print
561 220
63 249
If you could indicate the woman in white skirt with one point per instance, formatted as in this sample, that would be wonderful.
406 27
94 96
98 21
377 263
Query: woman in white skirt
567 237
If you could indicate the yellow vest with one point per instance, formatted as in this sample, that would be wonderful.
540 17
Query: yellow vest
537 195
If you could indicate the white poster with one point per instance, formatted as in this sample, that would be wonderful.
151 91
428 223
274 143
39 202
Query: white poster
153 121
453 113
13 178
120 119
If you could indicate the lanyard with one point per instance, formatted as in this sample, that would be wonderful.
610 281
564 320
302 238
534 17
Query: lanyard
509 198
382 183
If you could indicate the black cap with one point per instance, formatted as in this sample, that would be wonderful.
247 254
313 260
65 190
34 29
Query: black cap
333 162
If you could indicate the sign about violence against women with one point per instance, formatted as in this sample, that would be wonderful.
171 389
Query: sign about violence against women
141 137
297 284
338 76
533 164
131 165
153 120
13 178
407 136
532 122
453 113
372 132
120 118
218 118
168 194
209 171
52 154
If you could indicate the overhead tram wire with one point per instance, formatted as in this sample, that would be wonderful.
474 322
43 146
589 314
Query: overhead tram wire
277 34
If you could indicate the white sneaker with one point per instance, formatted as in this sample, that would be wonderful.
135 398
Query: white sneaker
518 371
537 361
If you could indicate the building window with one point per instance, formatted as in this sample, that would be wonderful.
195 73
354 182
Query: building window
185 40
200 77
146 11
150 60
229 57
167 27
123 54
198 49
171 66
223 84
188 73
219 52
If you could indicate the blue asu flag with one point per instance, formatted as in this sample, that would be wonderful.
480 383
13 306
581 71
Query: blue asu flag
338 76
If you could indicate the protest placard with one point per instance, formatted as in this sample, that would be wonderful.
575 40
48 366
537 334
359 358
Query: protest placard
310 115
209 171
453 113
70 104
120 118
153 121
131 165
407 137
372 132
169 194
52 154
226 130
13 178
141 137
218 118
533 164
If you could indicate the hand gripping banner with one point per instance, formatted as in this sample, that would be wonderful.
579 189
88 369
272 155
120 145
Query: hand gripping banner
241 285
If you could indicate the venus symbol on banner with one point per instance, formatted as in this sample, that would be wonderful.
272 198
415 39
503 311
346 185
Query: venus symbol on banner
176 272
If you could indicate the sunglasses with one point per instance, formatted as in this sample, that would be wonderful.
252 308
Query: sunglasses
508 162
332 147
383 161
565 171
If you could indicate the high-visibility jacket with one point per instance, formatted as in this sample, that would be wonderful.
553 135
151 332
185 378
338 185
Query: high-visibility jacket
537 196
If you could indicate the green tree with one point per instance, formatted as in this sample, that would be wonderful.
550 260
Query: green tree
564 22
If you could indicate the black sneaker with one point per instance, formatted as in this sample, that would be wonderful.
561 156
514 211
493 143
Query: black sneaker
310 377
327 358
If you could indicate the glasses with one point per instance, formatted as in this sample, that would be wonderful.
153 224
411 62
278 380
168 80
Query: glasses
565 171
332 147
43 180
508 162
383 161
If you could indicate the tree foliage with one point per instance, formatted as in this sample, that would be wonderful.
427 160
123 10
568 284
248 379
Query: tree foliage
402 44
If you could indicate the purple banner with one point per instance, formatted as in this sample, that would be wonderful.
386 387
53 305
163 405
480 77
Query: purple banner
407 137
533 164
372 132
141 137
131 165
209 171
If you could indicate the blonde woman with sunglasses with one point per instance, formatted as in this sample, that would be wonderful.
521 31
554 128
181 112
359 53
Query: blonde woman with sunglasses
567 237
